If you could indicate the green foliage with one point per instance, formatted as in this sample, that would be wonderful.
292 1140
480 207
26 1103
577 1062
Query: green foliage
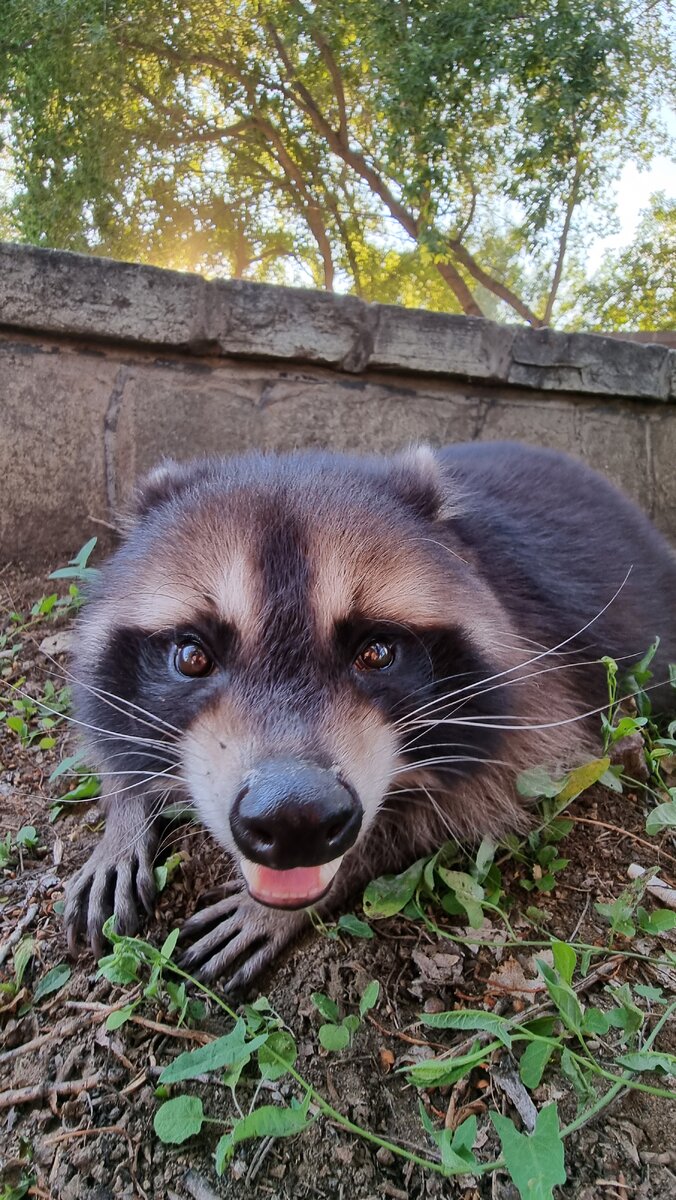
662 817
22 956
635 288
432 154
225 1052
626 1015
179 1119
336 1033
14 847
563 997
266 1121
649 1060
17 1191
164 871
467 1018
534 1161
533 1063
277 1054
53 981
77 567
349 923
33 719
87 789
467 893
391 893
537 782
454 1146
659 745
569 1038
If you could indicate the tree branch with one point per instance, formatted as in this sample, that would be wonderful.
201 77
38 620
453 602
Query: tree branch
358 162
310 207
332 204
501 290
338 142
217 133
563 244
334 71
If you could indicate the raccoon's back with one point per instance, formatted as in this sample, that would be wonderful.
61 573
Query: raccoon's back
569 555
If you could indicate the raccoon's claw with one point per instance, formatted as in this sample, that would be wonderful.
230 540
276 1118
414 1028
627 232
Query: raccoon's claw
108 884
237 937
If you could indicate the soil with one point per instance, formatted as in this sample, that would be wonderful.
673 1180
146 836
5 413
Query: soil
83 1127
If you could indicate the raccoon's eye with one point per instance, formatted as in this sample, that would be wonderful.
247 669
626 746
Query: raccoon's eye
374 657
192 660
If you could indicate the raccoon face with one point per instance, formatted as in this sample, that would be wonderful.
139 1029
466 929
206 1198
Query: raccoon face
265 639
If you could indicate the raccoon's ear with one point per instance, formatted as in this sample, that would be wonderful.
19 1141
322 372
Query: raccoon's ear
166 480
416 476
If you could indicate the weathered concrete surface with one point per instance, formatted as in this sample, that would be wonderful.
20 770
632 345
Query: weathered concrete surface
106 367
55 292
52 466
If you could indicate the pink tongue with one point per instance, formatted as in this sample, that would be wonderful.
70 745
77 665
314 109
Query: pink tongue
300 885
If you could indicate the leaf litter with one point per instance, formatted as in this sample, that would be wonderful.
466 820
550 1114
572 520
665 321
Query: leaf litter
104 1094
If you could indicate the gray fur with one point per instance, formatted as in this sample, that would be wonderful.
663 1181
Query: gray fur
533 550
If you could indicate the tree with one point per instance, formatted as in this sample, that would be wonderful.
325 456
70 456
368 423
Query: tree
635 288
436 151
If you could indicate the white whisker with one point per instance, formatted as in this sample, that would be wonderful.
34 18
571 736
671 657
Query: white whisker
110 733
445 700
108 697
537 657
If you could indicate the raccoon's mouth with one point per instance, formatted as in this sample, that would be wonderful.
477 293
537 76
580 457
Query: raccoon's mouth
298 887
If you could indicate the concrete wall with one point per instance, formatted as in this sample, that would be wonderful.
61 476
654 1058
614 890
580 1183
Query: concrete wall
105 367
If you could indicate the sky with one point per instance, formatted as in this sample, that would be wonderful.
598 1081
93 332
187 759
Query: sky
633 191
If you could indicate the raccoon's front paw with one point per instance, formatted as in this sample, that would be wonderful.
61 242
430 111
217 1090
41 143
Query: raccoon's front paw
237 937
111 881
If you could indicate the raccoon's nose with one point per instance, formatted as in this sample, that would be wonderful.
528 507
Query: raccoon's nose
294 814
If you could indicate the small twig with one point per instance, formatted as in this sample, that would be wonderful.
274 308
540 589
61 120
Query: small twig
104 1010
106 524
457 1092
59 1032
193 1035
258 1159
582 916
41 1091
404 1037
623 833
135 1084
15 935
389 1189
67 1134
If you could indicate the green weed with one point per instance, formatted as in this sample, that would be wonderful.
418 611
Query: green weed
14 846
336 1033
258 1046
600 1049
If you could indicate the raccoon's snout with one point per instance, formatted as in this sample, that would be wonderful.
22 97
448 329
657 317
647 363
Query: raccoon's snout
295 814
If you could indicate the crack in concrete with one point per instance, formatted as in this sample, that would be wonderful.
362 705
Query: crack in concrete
485 407
650 468
110 423
359 355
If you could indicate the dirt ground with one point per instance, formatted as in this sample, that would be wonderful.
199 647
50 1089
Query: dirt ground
77 1102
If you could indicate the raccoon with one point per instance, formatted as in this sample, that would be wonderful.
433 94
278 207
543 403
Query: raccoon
341 661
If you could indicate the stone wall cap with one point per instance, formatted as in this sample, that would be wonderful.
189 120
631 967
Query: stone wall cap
56 292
